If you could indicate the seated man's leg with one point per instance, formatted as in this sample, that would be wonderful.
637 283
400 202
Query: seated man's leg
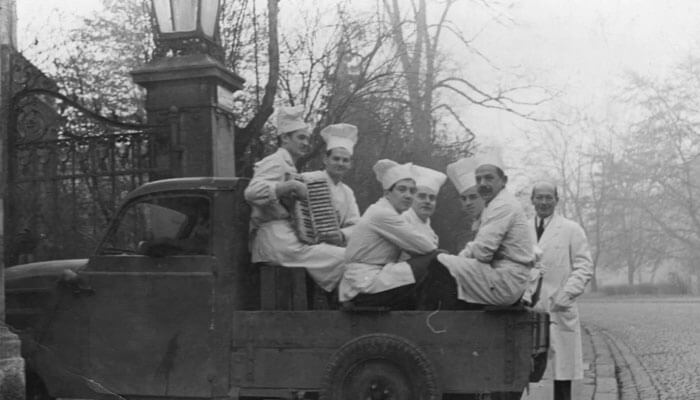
400 298
439 290
323 262
500 284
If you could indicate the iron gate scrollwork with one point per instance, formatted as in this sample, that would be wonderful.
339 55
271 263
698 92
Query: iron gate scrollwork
69 168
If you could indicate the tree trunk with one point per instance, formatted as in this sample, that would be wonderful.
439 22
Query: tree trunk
594 279
630 273
252 131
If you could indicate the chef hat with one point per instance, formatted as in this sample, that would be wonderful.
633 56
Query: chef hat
461 173
290 119
340 135
491 156
389 172
426 177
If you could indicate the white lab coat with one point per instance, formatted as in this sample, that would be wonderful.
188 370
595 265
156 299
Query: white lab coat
372 254
494 268
567 265
272 234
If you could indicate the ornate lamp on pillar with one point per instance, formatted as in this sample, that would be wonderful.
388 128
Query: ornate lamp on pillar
187 77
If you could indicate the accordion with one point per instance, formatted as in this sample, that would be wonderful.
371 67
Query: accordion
316 214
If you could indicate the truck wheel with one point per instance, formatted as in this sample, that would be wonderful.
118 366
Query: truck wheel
379 367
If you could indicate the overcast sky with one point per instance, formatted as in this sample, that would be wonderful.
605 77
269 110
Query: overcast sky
583 47
578 47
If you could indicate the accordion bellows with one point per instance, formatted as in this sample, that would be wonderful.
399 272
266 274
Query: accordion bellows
315 215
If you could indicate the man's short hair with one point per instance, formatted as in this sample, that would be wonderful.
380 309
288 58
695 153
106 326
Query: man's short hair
500 173
556 193
279 138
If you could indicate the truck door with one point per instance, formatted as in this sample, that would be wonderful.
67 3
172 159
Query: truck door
151 314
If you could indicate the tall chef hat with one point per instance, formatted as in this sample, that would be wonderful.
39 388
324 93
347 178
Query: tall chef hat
340 135
426 177
461 173
491 156
389 172
290 119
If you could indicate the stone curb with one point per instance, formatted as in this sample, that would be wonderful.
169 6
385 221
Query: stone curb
602 377
618 372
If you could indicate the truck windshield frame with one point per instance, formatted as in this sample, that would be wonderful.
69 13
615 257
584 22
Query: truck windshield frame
164 224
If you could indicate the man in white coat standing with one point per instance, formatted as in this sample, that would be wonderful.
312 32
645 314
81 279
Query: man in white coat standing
271 193
567 265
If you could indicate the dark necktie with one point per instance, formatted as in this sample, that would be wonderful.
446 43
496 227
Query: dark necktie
540 229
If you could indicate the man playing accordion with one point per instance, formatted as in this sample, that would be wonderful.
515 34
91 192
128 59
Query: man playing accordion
271 194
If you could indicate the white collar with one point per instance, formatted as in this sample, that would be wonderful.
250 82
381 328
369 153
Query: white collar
414 216
546 222
330 179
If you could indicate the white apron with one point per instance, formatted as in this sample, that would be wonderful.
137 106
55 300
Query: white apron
276 242
480 283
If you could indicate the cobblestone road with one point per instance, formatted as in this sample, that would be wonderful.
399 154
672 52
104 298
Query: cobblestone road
663 334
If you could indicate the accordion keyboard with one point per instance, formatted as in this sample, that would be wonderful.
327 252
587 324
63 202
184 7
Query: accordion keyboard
315 215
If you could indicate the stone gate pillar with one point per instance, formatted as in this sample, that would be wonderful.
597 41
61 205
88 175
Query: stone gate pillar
195 90
12 379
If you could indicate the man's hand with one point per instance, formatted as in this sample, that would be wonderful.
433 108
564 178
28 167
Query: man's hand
291 188
466 252
560 301
335 238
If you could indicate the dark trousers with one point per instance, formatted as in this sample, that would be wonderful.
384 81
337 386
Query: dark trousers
435 288
439 291
402 297
562 390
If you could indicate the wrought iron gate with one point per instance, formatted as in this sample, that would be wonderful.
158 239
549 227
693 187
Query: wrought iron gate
69 168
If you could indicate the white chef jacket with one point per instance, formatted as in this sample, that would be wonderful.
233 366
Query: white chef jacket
494 267
345 206
373 252
420 225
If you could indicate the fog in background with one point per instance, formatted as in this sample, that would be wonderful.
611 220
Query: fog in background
601 99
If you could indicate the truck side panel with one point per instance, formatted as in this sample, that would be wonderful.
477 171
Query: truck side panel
279 349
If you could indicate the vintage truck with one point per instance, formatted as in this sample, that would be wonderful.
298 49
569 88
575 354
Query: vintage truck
169 306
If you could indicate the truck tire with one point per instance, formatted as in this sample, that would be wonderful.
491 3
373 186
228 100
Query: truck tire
378 367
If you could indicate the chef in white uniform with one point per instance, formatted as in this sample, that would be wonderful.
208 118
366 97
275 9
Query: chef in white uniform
374 276
428 184
340 140
494 268
461 174
272 191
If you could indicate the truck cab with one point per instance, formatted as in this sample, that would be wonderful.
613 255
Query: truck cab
169 306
